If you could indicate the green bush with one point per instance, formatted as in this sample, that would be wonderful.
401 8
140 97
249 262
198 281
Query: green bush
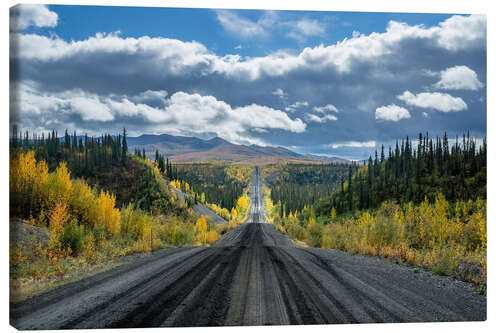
160 206
440 269
178 234
183 236
73 237
315 235
384 231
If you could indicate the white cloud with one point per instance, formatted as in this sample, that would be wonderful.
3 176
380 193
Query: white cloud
268 23
369 47
280 93
165 55
392 113
326 108
26 15
296 105
354 144
429 73
426 115
461 32
212 115
459 77
150 96
173 57
318 119
438 101
90 109
310 27
304 28
240 26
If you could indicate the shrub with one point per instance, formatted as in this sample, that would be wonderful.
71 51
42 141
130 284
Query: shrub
315 235
212 236
73 237
441 270
58 188
182 235
58 217
84 203
108 216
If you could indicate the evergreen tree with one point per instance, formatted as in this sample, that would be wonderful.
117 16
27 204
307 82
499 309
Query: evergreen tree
124 147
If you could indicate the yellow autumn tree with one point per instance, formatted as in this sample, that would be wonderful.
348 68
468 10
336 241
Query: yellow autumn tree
366 223
311 221
58 217
440 222
213 236
84 203
333 214
108 217
201 230
242 202
28 179
58 189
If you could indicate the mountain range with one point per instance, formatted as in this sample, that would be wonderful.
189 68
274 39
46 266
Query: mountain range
191 149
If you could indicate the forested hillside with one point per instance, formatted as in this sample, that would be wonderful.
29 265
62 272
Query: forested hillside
103 162
410 173
95 201
294 186
216 183
221 186
422 203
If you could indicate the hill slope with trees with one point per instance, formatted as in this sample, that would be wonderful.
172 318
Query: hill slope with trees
422 203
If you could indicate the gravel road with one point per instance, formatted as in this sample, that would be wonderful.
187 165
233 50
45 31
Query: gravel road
199 208
252 276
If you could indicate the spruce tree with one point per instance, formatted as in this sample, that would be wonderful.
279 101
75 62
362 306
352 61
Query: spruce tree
124 147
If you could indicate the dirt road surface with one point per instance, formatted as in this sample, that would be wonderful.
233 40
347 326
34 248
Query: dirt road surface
252 276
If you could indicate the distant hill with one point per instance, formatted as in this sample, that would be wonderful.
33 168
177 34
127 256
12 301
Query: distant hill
333 159
190 149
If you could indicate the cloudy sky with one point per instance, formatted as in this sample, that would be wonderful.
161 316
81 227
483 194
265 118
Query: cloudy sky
333 83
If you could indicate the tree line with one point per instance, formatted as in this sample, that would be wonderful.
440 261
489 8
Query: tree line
295 186
104 162
85 155
213 182
412 172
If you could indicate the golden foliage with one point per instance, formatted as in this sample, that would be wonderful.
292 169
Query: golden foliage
213 236
201 224
58 217
108 217
28 179
431 235
200 230
333 214
84 203
242 201
59 186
